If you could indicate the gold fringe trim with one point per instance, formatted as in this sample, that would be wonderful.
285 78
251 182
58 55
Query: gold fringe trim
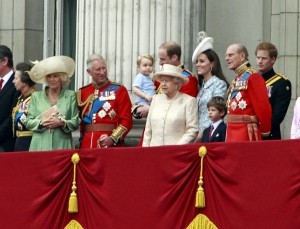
201 222
200 196
73 202
88 102
73 224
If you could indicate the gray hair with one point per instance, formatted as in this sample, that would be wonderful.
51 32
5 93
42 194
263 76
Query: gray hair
92 58
178 81
242 49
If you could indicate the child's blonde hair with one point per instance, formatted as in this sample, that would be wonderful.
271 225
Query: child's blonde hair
147 56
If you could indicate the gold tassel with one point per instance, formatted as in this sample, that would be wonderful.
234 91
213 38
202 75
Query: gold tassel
73 202
200 196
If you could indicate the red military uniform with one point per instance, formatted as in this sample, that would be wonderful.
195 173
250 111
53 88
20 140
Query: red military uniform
249 110
103 110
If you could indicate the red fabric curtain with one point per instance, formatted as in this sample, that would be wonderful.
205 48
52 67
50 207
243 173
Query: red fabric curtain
247 185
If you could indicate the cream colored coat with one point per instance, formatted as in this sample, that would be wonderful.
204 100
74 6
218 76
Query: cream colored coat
171 122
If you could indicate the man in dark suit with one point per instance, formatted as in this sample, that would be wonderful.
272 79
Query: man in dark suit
8 99
278 86
216 112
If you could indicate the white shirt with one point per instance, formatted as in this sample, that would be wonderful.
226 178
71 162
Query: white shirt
7 77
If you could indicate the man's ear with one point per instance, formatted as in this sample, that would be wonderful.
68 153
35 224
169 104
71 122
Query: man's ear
175 58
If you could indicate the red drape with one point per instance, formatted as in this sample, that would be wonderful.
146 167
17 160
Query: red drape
247 185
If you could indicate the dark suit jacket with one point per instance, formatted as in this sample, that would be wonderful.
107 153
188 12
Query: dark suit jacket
219 135
8 99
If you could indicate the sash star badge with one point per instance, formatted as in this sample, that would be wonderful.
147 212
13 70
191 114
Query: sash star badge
233 105
106 106
101 113
242 104
238 96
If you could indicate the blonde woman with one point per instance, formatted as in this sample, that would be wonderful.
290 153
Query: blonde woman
53 112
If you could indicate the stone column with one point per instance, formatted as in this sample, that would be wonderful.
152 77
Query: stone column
121 30
285 34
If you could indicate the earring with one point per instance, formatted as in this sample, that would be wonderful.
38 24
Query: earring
211 68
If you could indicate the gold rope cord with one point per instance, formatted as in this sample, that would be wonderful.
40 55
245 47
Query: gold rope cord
200 197
201 222
73 202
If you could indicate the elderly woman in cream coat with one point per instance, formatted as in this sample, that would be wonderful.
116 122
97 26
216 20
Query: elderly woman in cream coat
173 116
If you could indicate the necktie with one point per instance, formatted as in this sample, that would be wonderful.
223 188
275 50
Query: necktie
1 82
211 130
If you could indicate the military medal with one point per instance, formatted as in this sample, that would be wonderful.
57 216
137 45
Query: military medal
269 91
112 114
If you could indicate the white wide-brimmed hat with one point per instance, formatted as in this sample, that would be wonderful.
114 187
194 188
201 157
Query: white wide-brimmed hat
54 64
205 44
171 70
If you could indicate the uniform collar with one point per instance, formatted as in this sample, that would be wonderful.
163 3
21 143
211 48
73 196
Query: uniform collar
241 69
269 74
101 85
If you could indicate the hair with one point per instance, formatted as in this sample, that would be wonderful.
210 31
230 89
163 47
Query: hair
147 56
65 79
178 81
218 102
172 48
92 58
24 68
242 49
272 50
216 69
5 52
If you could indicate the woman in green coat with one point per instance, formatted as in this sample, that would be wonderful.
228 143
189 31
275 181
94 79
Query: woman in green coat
53 112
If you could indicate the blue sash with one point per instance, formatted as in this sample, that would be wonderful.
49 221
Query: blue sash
18 115
244 77
185 73
97 104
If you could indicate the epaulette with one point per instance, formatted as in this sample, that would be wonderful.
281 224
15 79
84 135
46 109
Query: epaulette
84 87
275 78
282 76
251 70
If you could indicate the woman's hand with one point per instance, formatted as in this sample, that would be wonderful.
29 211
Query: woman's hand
53 123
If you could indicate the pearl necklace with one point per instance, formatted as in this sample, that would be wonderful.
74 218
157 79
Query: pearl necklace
53 100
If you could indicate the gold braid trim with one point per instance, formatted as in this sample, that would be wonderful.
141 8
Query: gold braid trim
73 224
117 133
73 202
86 103
200 197
201 222
275 78
16 109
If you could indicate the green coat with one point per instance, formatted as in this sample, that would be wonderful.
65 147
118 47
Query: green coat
59 138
